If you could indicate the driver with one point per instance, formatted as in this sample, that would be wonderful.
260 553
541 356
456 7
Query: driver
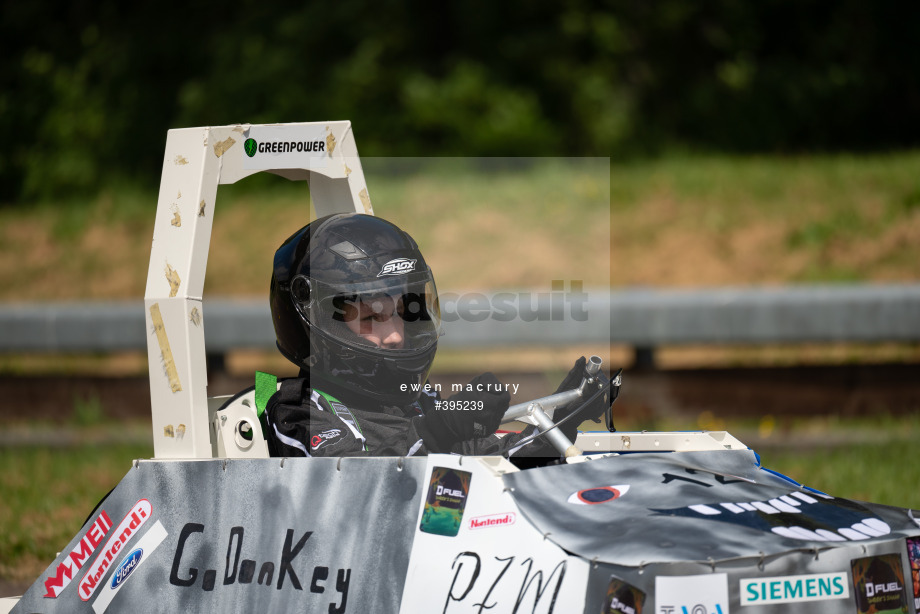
354 305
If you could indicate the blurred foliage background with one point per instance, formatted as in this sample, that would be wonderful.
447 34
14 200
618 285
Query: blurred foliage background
89 88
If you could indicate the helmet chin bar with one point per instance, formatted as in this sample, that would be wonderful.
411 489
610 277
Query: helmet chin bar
381 378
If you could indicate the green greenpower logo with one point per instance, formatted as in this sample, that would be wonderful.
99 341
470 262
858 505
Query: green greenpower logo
251 147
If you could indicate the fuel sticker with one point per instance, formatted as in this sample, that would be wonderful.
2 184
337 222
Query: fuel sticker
622 598
879 585
448 491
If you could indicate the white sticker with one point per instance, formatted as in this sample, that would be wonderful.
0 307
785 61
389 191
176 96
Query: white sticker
794 589
134 559
703 594
283 147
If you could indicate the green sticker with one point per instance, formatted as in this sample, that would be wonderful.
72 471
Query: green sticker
250 146
266 386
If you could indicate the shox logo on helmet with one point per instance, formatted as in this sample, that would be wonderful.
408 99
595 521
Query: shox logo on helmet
397 266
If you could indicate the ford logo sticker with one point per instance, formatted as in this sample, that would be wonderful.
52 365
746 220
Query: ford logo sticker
127 565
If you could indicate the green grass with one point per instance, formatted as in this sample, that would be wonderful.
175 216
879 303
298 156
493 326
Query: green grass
774 182
47 493
678 220
881 473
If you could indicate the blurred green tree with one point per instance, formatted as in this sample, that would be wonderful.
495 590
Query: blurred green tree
88 89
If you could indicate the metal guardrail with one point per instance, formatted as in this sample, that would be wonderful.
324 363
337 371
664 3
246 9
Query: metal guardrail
642 318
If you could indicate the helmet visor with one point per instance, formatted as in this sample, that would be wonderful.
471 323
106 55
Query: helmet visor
398 313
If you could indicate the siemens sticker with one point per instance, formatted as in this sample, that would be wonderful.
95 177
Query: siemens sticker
794 589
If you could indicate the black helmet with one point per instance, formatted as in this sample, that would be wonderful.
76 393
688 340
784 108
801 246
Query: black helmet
339 270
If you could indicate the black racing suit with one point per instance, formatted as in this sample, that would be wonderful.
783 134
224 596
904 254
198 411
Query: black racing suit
301 420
